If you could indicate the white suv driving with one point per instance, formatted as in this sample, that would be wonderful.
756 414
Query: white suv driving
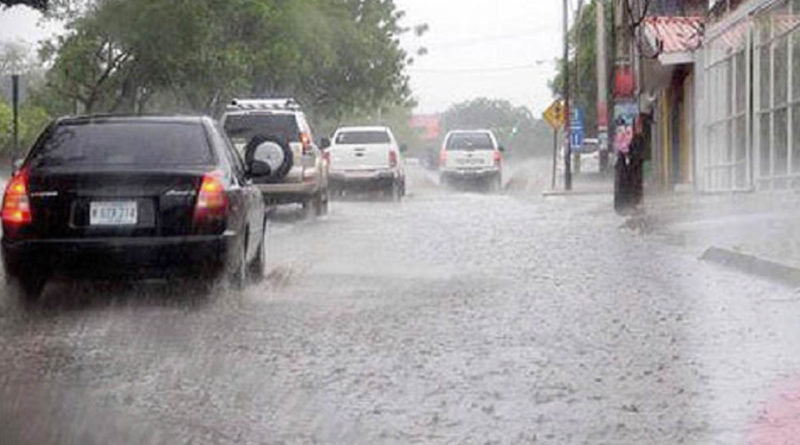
367 158
299 167
471 155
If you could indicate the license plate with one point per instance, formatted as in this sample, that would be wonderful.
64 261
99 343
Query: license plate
117 213
472 161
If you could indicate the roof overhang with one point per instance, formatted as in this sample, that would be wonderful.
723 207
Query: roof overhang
681 58
673 40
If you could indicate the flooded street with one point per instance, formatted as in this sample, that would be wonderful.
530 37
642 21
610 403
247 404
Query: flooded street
451 317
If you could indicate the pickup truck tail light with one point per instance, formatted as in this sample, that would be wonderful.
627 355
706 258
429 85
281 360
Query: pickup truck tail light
443 158
392 159
498 158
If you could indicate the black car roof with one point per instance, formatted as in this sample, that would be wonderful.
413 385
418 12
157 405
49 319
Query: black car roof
131 118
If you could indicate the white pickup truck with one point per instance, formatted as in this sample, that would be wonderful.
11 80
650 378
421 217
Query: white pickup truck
366 158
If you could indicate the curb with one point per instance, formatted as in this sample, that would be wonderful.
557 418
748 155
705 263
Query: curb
548 193
770 270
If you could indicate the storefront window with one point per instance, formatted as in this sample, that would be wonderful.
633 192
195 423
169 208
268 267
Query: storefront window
740 142
796 138
741 84
780 72
781 142
764 148
765 78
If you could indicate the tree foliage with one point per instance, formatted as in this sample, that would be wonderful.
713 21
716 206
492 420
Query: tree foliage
32 120
516 127
336 57
36 4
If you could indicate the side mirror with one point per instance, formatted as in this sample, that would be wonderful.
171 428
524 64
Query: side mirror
324 143
17 164
501 149
403 148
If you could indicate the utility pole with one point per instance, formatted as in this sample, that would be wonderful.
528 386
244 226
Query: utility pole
602 84
567 105
576 159
15 110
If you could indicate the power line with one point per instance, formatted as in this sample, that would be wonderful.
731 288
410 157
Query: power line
529 66
482 40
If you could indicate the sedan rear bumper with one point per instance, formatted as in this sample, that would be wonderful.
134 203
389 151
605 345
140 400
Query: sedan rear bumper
138 257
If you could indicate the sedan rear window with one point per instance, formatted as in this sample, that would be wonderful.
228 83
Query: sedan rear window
243 127
363 137
125 143
470 141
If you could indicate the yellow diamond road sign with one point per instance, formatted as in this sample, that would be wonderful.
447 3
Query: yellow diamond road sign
555 115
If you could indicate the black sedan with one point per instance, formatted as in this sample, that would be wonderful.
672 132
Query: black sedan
133 196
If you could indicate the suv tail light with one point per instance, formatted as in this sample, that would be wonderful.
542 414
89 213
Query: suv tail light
392 159
498 158
212 200
16 205
305 139
443 158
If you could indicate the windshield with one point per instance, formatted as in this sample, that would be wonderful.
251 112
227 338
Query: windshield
242 127
470 141
427 222
362 138
124 143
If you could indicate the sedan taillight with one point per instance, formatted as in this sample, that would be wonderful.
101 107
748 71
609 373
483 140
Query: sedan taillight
212 200
16 205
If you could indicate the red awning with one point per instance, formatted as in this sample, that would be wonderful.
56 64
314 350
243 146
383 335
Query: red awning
675 35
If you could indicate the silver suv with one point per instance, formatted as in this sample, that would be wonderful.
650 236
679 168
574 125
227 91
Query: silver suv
278 133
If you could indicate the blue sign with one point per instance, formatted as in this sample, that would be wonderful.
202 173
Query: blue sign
577 131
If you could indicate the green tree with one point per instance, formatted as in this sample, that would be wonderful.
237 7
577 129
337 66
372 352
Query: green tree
5 127
515 127
194 55
32 120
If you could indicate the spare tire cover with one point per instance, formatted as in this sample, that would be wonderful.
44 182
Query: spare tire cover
280 162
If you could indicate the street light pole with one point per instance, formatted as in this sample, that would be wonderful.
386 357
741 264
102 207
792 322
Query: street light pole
15 110
568 108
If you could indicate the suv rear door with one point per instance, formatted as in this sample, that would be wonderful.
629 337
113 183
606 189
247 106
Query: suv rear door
241 126
470 150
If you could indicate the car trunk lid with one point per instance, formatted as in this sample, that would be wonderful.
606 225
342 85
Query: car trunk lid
114 203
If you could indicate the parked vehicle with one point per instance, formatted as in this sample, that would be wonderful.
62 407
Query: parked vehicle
471 156
133 196
299 167
367 158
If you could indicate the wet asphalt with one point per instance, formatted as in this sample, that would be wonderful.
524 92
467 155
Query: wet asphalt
453 317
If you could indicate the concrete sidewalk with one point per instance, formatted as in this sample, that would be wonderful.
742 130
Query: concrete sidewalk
585 184
756 232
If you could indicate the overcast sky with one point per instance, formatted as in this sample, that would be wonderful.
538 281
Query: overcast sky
476 48
484 48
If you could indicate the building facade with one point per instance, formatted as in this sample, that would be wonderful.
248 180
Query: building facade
748 97
657 44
